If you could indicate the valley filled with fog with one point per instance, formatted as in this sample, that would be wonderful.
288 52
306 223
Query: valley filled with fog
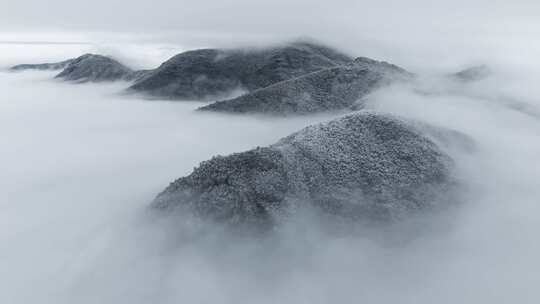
81 163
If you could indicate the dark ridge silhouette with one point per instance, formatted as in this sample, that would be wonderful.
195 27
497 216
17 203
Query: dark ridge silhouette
207 73
42 66
95 68
330 89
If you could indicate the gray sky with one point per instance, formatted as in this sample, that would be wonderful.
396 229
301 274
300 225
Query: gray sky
419 30
263 17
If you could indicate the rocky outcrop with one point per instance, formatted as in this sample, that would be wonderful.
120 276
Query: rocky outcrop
42 66
363 167
330 89
207 73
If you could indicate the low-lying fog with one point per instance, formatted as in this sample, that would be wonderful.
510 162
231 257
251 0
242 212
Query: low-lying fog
80 164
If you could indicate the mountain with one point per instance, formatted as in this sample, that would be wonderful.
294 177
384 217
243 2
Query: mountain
474 73
330 89
95 68
42 66
210 73
363 167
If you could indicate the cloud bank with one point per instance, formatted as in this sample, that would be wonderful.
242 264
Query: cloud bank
80 163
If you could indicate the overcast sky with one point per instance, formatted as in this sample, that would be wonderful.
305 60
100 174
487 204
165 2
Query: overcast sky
480 28
265 17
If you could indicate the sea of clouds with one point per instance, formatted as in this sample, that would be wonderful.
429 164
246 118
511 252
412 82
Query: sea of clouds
80 163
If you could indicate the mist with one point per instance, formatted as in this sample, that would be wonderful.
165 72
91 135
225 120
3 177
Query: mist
82 162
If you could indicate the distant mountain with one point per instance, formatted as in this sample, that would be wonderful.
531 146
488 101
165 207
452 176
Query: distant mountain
88 68
363 166
208 73
329 89
474 73
95 68
42 66
295 78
